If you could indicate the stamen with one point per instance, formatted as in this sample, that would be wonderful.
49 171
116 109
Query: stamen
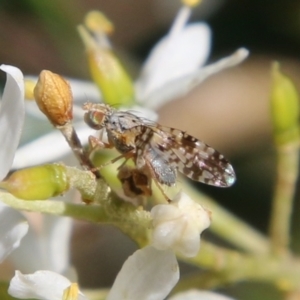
29 86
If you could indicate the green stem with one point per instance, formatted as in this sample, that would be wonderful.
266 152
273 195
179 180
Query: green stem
228 266
287 174
133 221
228 226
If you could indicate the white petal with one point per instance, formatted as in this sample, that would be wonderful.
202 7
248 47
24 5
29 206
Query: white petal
13 227
48 148
199 295
44 285
11 117
174 57
148 274
56 247
84 91
178 225
47 248
180 87
30 248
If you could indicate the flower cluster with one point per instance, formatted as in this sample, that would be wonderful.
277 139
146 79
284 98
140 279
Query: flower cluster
173 68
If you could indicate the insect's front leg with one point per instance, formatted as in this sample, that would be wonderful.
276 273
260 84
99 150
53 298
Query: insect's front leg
97 144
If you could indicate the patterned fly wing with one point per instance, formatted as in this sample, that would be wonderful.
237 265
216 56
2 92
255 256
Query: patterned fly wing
190 156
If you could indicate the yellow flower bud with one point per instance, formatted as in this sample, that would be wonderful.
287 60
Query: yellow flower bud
107 72
37 183
96 21
284 108
54 98
191 3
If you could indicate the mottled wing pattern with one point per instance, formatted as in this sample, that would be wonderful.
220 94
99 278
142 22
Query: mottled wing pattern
192 157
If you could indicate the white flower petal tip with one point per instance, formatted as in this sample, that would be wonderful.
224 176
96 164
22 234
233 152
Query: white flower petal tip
148 274
15 73
178 225
13 227
42 285
239 55
199 295
12 114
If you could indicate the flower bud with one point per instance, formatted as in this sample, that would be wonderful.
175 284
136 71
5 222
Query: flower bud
113 81
54 98
191 3
37 183
284 108
178 225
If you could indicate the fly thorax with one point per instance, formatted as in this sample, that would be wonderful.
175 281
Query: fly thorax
121 141
121 123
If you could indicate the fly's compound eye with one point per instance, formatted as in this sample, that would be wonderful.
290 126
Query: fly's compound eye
95 119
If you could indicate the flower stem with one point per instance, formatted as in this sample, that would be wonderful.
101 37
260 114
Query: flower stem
73 140
134 222
287 174
228 266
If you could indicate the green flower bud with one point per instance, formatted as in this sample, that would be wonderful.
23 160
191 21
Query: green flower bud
284 108
37 183
107 72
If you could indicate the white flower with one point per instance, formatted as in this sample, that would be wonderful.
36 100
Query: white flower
175 64
151 273
44 285
178 225
148 274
